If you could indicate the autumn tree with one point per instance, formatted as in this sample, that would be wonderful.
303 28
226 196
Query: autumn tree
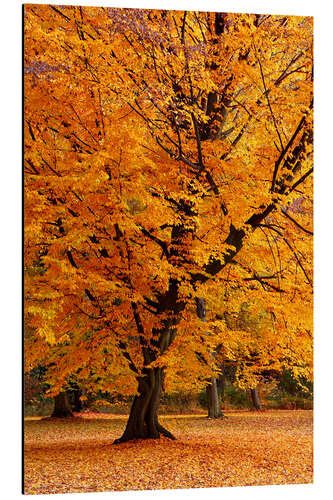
168 161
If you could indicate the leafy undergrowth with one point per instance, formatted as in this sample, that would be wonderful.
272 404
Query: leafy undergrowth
274 447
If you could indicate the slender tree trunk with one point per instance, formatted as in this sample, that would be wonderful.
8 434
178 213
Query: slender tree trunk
62 408
77 403
221 382
214 407
85 402
143 419
255 398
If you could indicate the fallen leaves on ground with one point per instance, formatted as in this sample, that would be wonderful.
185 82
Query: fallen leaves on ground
247 448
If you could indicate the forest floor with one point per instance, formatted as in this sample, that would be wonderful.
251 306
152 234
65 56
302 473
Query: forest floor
246 448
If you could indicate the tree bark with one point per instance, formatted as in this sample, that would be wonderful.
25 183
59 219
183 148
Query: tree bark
143 419
255 398
214 407
77 403
221 382
62 408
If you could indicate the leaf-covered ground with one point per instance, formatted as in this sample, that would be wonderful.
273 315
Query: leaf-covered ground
247 448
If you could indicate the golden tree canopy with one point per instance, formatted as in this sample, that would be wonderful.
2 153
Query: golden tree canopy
168 157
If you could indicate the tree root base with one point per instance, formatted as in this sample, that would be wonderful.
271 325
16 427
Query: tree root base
222 417
161 432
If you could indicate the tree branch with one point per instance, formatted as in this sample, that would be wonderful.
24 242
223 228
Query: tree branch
296 223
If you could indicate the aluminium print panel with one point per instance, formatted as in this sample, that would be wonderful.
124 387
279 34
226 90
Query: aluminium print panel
168 160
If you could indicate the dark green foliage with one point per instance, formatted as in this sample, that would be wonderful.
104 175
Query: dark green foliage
291 393
289 385
236 398
34 390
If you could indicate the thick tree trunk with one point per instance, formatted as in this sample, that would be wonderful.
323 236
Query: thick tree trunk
62 408
143 419
255 398
214 407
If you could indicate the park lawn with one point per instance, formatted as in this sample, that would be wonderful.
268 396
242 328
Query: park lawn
247 448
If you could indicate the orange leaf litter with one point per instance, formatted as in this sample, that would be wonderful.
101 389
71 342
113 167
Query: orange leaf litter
247 448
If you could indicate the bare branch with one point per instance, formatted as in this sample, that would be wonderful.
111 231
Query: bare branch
309 172
296 223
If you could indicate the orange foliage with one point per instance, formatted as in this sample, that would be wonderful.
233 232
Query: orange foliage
168 156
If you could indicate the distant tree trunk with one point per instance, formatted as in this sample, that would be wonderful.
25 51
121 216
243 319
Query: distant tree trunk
221 382
62 408
77 403
255 398
214 407
143 419
84 403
